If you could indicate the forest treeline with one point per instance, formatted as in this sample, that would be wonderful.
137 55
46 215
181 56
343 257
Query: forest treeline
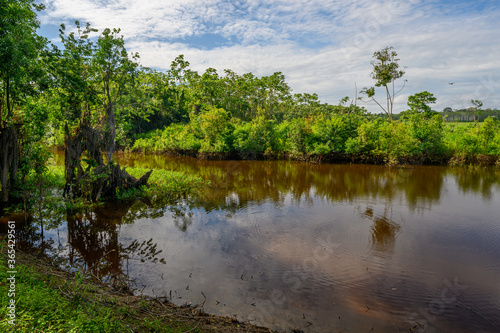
90 96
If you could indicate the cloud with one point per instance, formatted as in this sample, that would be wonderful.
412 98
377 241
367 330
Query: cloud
321 46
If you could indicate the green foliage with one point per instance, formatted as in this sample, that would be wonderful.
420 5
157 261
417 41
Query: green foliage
394 141
20 47
476 106
469 114
415 138
386 67
254 137
216 130
281 142
299 132
164 186
418 103
428 132
367 139
473 139
328 135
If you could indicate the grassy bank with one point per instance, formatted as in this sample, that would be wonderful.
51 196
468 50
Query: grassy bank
52 300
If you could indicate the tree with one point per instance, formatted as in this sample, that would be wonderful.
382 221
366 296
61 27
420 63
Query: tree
92 77
235 91
385 72
418 103
114 70
74 86
20 70
273 91
476 107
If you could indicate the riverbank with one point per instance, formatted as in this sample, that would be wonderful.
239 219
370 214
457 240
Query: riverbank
337 139
49 299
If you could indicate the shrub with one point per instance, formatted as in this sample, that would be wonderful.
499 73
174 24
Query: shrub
254 137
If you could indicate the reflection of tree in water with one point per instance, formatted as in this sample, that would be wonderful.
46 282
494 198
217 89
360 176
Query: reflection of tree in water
383 232
181 212
143 251
28 235
182 218
94 245
235 183
479 180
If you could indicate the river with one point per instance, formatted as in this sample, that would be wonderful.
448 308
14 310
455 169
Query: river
315 247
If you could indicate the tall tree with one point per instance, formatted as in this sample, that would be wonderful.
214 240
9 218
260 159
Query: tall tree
385 72
72 70
20 70
114 69
92 77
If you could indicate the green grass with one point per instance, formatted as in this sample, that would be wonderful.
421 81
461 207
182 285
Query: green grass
49 303
164 184
164 187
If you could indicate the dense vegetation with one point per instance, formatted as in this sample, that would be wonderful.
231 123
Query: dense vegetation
91 97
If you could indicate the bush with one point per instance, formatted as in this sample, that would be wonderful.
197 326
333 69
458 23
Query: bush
328 135
254 137
427 131
216 130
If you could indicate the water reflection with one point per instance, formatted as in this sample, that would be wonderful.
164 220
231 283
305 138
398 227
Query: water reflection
239 182
235 183
383 232
319 248
92 244
484 183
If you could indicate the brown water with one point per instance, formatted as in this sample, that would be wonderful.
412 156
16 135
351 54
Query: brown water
321 248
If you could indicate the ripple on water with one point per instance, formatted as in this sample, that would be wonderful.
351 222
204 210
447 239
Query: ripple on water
492 227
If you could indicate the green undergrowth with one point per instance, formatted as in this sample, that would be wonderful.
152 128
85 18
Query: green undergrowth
414 139
51 302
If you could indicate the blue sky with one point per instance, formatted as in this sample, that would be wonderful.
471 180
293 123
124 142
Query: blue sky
322 46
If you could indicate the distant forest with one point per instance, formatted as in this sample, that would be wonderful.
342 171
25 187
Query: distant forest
463 115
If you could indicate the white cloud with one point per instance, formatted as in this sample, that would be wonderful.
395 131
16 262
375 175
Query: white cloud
322 46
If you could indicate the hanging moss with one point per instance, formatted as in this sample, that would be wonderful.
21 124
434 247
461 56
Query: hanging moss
99 179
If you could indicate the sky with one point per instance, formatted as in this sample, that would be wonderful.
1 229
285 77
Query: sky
321 46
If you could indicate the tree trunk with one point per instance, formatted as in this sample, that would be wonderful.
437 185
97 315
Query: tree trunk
7 93
98 180
9 159
111 122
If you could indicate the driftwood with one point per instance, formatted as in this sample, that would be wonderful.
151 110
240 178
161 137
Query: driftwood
99 179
